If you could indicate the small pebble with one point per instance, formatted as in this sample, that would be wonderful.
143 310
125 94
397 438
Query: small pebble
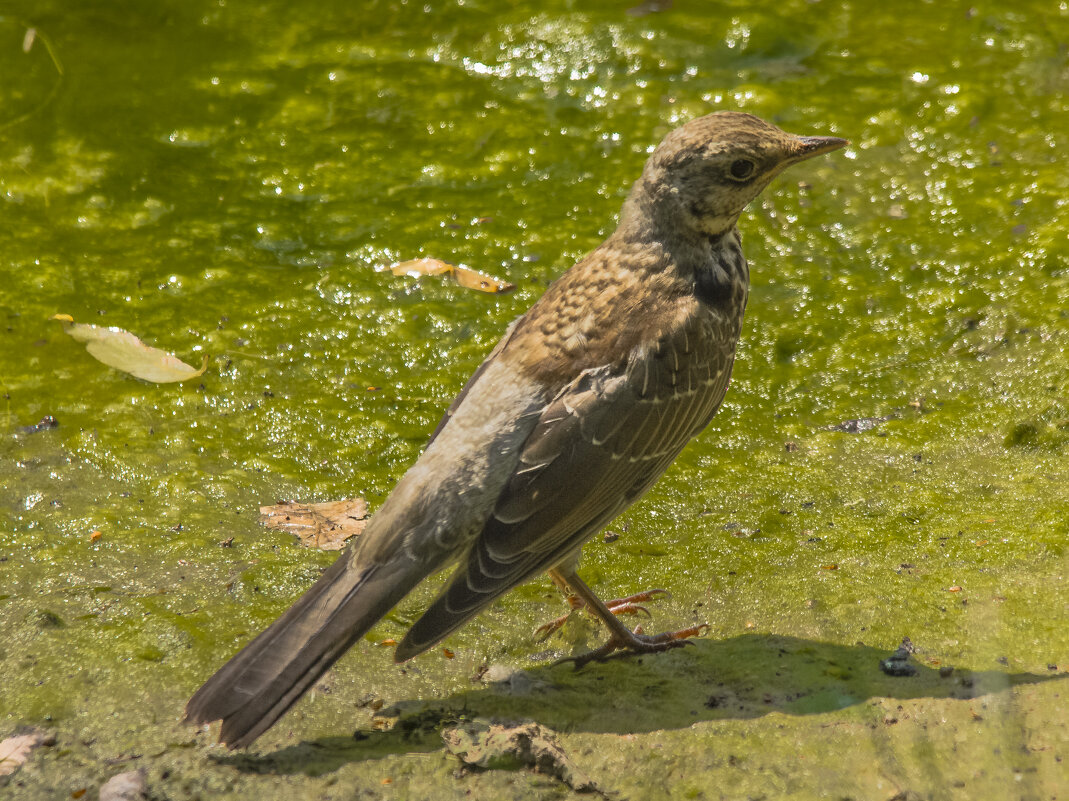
125 787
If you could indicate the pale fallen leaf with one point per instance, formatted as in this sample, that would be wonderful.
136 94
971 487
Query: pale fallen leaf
325 525
489 745
14 751
467 278
417 267
124 351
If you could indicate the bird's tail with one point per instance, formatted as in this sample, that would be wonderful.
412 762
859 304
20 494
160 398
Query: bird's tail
251 691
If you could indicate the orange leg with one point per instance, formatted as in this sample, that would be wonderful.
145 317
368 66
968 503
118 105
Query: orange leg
623 639
631 605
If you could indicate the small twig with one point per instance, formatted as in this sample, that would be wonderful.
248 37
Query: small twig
28 41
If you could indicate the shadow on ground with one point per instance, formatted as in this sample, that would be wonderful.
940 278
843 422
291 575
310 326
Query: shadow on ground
742 677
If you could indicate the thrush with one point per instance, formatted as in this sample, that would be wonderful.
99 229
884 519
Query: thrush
576 412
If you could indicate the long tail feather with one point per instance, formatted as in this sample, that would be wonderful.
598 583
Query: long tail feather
256 687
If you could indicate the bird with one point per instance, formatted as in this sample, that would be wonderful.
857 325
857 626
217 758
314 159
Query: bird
581 406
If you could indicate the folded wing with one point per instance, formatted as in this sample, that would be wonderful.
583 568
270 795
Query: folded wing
595 449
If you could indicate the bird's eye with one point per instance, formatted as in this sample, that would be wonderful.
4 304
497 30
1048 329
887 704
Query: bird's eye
741 169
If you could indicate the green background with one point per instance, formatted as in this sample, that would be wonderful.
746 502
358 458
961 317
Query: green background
231 178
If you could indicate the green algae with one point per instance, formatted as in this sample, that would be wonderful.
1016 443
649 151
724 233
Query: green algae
230 179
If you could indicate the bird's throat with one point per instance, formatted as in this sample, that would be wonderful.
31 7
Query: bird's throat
722 279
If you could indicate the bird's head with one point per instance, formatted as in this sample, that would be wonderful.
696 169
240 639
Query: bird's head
701 177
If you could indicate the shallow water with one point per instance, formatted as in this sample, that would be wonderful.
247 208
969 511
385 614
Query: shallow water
231 179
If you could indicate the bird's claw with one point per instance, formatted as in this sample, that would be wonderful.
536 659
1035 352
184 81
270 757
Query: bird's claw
542 632
631 605
649 595
629 608
637 643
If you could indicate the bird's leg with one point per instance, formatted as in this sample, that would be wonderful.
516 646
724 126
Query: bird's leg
631 605
623 639
543 631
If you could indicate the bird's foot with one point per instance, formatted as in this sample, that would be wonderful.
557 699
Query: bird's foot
631 605
637 643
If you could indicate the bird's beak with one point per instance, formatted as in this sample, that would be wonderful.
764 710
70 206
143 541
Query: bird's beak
808 146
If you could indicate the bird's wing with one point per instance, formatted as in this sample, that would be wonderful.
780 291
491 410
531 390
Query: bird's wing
472 382
595 449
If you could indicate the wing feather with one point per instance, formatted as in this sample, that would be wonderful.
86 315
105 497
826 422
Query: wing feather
595 449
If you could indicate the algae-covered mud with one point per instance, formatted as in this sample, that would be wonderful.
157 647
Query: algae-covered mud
233 179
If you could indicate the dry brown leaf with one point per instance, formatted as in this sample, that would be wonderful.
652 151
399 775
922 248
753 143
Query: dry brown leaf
325 525
14 751
467 278
124 351
470 279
